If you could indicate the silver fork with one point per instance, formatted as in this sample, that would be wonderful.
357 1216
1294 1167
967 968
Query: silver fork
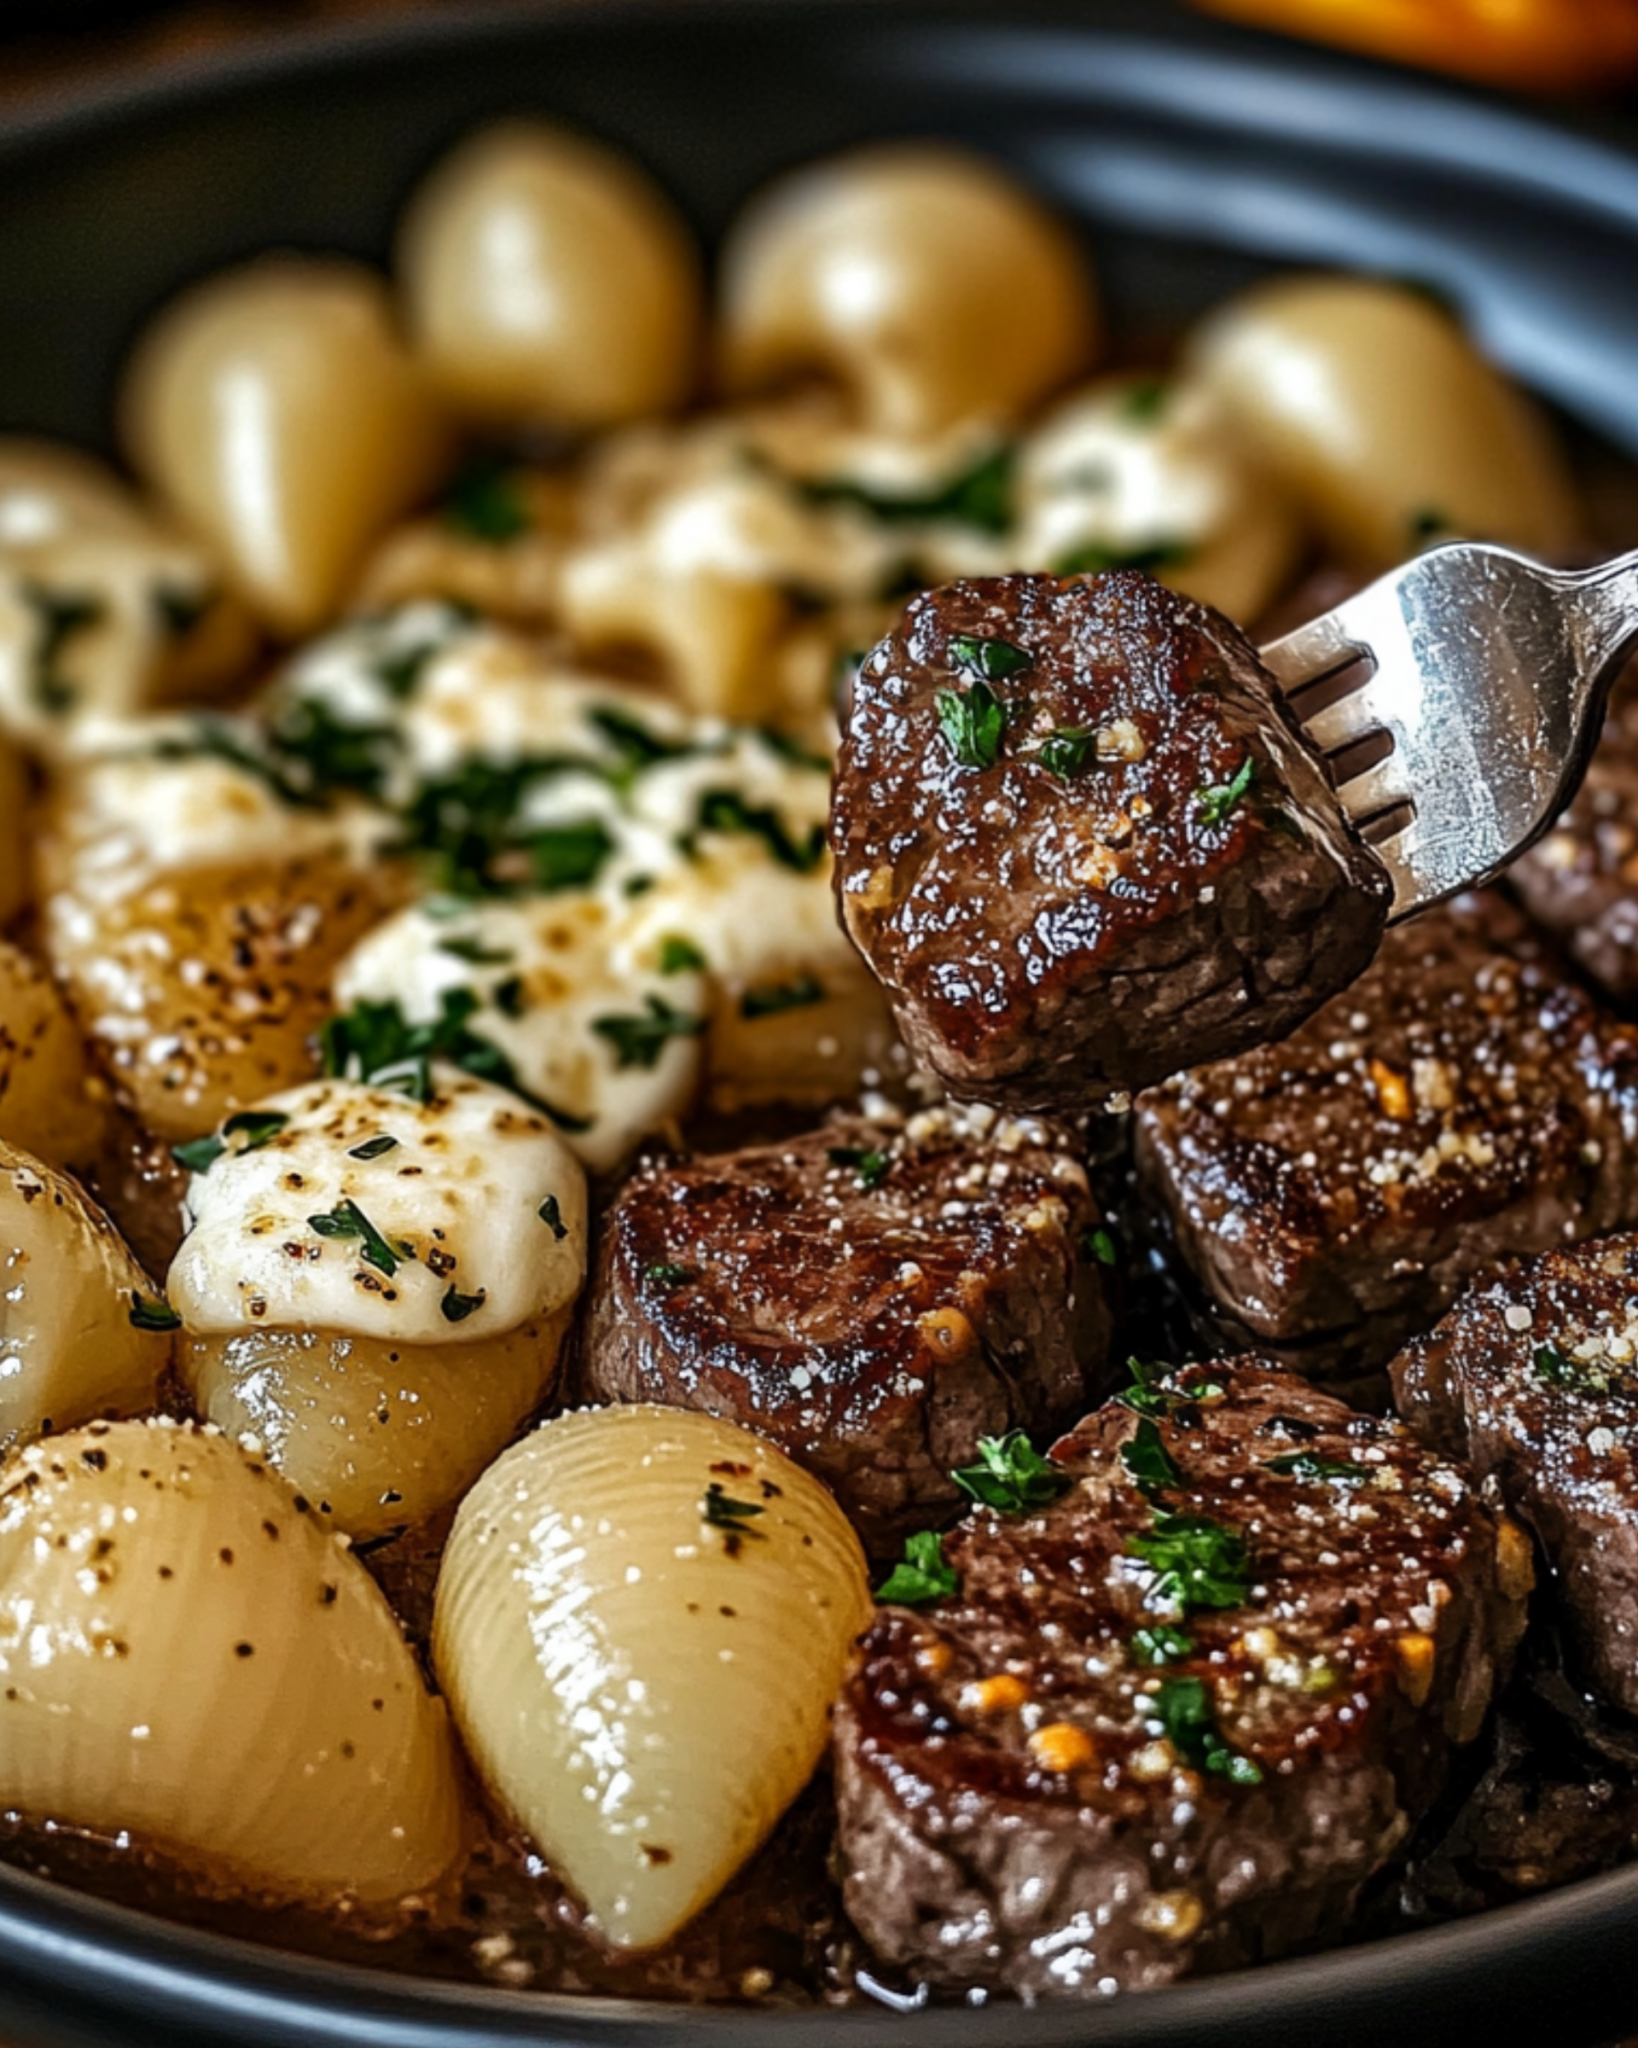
1457 702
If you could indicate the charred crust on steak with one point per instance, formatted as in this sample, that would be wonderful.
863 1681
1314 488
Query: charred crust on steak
1464 1100
1533 1378
874 1296
1013 1811
1182 884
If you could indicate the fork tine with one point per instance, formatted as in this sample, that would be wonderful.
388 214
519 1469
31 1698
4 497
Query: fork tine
1312 652
1378 789
1349 718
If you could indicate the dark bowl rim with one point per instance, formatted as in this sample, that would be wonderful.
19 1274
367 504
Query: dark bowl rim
50 1930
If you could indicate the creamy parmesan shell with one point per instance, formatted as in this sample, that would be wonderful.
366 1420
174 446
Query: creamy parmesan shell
189 1659
548 970
69 1350
643 1688
49 1103
458 1200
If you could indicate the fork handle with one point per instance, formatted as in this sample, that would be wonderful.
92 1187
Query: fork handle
1601 608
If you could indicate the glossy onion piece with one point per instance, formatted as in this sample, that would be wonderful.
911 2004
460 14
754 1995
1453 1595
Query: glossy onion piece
48 1104
186 1655
76 1310
377 1436
925 282
278 413
642 1620
547 281
1385 421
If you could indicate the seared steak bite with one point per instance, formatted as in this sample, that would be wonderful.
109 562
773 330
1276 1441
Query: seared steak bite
1081 845
1581 881
1533 1377
873 1296
1175 1719
1463 1100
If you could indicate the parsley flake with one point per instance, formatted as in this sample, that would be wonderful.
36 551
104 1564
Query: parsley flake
1217 806
1099 1245
347 1220
1069 751
1147 1459
991 660
725 810
1311 1465
1184 1714
664 1274
475 953
680 956
639 1040
551 1214
374 1043
458 1306
979 497
771 998
1144 401
60 616
1097 558
1149 1393
1198 1563
1011 1476
972 722
1555 1367
151 1313
485 503
199 1155
257 1127
922 1575
723 1512
374 1148
871 1166
1159 1644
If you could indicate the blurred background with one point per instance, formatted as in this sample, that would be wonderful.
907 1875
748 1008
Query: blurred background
1556 48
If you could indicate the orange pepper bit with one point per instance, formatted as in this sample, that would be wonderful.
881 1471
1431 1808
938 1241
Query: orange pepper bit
1002 1694
1061 1746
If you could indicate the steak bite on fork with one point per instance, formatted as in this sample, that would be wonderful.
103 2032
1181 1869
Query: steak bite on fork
1082 844
1176 1718
1533 1379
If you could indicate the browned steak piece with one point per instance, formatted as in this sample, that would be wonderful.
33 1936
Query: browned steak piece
1081 845
1533 1376
874 1297
1463 1100
1172 1726
1581 882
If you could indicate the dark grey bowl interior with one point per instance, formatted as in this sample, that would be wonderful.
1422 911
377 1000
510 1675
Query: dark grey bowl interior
1198 158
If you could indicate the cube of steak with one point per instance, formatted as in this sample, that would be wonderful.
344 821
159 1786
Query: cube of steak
1081 844
1088 1770
1533 1377
874 1298
1581 881
1463 1100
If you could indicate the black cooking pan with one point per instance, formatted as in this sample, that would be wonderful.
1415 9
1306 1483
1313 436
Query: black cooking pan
1198 158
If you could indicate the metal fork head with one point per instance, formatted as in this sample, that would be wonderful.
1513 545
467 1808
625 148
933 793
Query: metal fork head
1457 701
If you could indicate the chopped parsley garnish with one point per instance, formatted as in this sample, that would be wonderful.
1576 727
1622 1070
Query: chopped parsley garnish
485 503
1184 1714
317 752
1149 1394
374 1043
217 739
151 1313
1217 805
1147 1459
374 1148
457 1306
1069 751
639 1040
637 745
870 1166
568 856
1199 1563
722 1511
1011 1476
922 1575
1311 1466
257 1127
508 996
979 497
666 1274
551 1214
348 1220
61 614
1099 1245
725 810
1159 1643
680 956
1097 558
1428 524
990 659
791 751
770 998
972 722
1556 1368
1145 401
475 953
